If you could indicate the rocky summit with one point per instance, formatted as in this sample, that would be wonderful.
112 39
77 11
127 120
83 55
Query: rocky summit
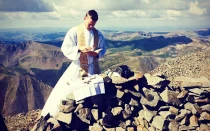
140 103
189 70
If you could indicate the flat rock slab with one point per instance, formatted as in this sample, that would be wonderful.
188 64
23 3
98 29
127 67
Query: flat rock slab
146 114
169 96
158 122
149 98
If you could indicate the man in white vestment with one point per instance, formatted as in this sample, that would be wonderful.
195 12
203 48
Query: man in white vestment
84 45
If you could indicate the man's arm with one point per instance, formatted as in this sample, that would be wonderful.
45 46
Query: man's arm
69 46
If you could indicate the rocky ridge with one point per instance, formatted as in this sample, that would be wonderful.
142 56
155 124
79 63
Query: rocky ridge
183 69
22 93
31 54
148 103
22 121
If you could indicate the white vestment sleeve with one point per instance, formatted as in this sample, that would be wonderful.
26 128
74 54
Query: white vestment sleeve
69 46
101 45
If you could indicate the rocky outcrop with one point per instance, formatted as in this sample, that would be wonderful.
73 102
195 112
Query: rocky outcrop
22 121
148 103
31 54
22 93
190 70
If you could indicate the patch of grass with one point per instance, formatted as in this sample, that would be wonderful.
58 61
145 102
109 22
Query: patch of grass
112 60
136 53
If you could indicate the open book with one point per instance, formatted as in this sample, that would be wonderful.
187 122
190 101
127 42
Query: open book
97 51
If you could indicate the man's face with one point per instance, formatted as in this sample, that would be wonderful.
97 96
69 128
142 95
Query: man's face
89 23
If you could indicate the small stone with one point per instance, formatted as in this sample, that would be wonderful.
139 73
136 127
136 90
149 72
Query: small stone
204 127
85 115
100 121
95 127
158 122
109 129
136 94
119 94
206 100
95 114
138 120
125 115
182 94
173 110
137 87
186 128
128 122
190 98
194 121
68 102
80 106
204 116
196 109
120 103
146 114
169 96
116 111
155 80
132 108
189 82
118 80
183 113
151 98
173 126
130 129
55 123
133 102
128 109
188 106
118 86
185 121
206 107
122 124
64 117
103 114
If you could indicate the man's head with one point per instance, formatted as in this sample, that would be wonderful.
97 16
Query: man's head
90 19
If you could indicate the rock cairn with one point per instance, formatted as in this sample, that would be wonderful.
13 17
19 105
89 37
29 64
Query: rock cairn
147 103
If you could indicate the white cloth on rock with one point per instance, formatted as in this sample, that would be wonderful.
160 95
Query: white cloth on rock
95 86
70 50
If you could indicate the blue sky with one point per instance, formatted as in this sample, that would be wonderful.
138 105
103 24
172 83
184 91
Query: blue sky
113 14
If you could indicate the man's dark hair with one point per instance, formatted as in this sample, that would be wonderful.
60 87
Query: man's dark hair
93 15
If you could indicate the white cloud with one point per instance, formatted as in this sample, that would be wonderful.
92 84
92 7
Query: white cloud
25 5
194 9
129 14
173 13
111 12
